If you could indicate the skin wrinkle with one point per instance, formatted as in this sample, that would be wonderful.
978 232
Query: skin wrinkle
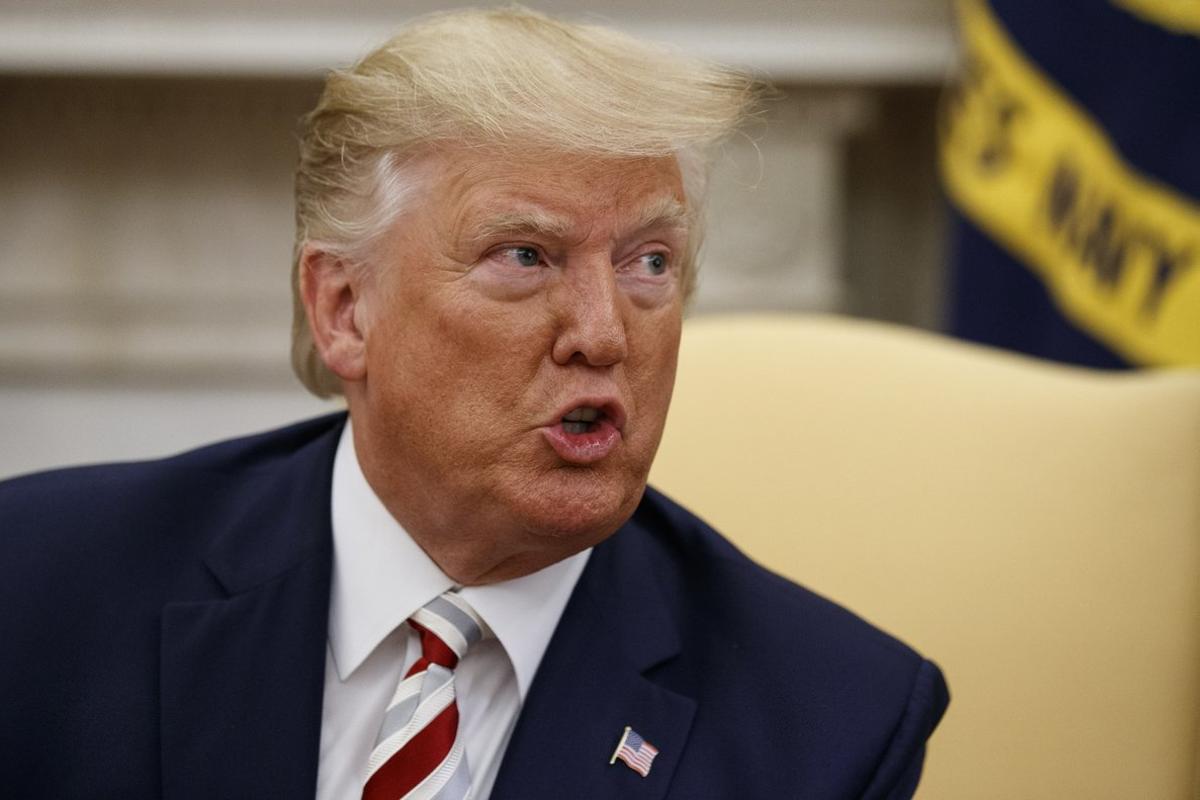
467 354
520 223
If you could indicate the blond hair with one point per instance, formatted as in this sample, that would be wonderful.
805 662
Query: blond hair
507 78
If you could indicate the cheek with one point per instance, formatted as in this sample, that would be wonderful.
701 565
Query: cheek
471 359
499 338
659 331
657 353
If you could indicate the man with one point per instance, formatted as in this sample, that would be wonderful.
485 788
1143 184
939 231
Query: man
497 223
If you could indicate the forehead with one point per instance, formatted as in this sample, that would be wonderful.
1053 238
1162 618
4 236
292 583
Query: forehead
557 190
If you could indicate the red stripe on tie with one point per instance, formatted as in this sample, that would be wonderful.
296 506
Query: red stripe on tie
433 651
414 762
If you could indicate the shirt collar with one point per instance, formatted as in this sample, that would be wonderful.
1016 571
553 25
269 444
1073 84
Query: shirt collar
381 576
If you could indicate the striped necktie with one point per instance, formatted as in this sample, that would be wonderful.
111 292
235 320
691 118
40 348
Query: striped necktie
418 754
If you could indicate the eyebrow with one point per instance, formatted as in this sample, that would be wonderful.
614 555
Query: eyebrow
516 223
665 212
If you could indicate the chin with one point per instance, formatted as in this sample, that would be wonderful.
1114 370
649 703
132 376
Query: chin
581 508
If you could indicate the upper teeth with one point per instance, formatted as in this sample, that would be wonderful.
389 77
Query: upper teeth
583 415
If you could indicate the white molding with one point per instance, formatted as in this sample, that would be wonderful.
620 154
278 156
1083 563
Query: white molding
51 426
852 51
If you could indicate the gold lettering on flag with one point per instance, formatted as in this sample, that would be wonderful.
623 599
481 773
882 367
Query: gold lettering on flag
1118 251
1180 16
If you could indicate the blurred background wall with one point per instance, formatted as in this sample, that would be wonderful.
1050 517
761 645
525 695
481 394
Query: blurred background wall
146 151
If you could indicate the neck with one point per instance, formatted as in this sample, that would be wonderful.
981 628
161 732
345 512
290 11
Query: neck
472 545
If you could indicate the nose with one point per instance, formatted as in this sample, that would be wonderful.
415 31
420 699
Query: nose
588 305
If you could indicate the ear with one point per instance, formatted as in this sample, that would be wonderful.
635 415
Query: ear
332 293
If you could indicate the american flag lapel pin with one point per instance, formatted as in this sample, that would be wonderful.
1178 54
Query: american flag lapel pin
635 751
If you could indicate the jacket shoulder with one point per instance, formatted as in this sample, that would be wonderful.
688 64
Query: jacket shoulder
97 519
121 575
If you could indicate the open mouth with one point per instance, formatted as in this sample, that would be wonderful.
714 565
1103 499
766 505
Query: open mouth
588 432
582 420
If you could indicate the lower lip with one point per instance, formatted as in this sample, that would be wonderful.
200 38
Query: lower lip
583 448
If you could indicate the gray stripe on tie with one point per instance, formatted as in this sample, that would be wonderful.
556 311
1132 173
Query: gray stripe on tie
459 785
397 717
435 678
455 616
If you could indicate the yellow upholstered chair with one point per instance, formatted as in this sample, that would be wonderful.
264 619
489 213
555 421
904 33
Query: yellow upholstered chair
1034 529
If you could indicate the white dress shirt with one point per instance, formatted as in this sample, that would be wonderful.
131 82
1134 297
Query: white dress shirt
380 577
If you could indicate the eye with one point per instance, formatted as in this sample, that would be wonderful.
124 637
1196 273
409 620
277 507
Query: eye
656 263
525 256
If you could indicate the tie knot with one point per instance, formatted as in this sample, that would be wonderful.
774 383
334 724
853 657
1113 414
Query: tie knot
448 626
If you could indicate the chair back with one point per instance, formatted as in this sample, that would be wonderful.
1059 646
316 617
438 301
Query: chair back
1032 528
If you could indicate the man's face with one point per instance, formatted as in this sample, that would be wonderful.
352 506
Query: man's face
522 326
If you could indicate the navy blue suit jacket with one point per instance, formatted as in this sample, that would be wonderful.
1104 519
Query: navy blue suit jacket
165 627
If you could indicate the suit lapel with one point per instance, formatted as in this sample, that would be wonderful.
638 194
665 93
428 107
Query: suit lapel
243 675
593 681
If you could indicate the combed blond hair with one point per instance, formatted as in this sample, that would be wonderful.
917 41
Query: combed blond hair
506 78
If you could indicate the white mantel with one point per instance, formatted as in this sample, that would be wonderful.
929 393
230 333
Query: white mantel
846 41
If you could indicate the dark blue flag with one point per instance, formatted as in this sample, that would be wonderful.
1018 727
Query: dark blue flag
1070 152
